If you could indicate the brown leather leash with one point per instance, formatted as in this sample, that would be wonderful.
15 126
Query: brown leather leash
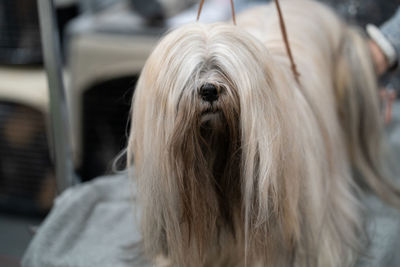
286 41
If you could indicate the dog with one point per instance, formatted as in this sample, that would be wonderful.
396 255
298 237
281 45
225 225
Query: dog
240 163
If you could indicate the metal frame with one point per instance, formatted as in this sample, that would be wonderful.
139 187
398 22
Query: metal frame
59 122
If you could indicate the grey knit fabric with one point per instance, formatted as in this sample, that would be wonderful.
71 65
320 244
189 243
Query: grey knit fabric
92 224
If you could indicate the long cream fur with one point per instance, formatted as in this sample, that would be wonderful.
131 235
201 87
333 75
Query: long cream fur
264 175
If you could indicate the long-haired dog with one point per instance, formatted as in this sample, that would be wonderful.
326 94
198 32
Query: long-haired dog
236 163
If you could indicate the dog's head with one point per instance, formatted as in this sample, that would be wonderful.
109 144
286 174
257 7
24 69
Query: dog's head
209 137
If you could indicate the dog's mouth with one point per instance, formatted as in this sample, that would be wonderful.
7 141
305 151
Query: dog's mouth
212 109
211 112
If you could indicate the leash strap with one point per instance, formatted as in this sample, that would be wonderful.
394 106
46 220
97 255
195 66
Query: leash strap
286 41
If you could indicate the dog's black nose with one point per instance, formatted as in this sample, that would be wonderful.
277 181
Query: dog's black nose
209 92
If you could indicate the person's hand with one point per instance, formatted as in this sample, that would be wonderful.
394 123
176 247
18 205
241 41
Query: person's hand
388 96
380 61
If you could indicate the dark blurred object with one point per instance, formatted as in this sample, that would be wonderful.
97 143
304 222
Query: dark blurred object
151 10
20 36
361 12
64 14
27 183
105 114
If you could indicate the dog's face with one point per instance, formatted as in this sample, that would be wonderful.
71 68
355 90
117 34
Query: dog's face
205 110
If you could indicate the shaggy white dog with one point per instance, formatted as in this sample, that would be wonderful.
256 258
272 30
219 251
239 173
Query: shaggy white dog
237 163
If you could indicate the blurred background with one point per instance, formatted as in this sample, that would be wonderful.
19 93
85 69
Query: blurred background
104 46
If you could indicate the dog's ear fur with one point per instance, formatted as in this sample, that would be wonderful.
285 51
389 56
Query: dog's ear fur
357 96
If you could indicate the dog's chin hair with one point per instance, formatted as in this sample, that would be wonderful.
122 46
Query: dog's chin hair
205 150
